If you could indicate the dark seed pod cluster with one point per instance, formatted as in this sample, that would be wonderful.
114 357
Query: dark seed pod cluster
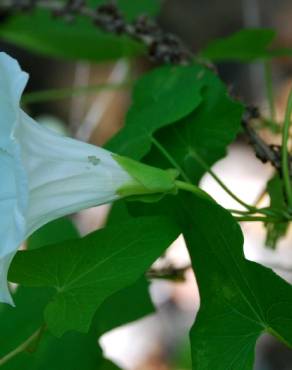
110 19
164 48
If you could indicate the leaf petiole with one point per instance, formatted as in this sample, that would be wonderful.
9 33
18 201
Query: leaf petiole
24 346
257 218
203 164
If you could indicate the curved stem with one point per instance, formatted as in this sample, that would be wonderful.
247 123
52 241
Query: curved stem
23 346
257 218
220 182
246 215
285 152
270 212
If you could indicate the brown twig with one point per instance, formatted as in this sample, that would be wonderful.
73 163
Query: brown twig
265 152
169 273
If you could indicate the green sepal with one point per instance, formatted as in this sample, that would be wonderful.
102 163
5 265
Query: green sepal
146 180
148 198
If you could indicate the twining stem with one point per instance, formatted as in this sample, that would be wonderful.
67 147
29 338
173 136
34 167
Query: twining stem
269 87
188 186
63 93
285 152
257 218
263 211
171 160
203 164
23 346
244 215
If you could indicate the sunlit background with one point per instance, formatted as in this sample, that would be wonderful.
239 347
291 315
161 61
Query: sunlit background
160 341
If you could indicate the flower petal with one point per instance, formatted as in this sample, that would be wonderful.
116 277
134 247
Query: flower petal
13 185
12 83
65 175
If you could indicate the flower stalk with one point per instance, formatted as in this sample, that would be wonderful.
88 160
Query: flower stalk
45 176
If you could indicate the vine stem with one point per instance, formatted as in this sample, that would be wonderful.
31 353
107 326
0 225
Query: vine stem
23 346
285 152
203 164
244 215
256 219
188 186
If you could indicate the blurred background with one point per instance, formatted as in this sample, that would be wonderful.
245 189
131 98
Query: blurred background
160 341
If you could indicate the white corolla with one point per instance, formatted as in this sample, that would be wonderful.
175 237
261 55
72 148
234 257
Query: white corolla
44 176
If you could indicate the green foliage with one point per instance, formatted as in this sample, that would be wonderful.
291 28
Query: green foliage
200 139
246 45
54 232
115 310
118 309
277 201
240 300
17 325
72 351
85 272
236 308
182 118
44 34
236 301
202 120
161 97
205 120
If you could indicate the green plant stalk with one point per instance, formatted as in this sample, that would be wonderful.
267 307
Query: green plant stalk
245 215
68 92
187 186
203 164
264 211
269 88
257 219
285 153
23 346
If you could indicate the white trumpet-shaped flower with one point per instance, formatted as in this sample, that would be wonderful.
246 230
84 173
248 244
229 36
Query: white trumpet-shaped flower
45 176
